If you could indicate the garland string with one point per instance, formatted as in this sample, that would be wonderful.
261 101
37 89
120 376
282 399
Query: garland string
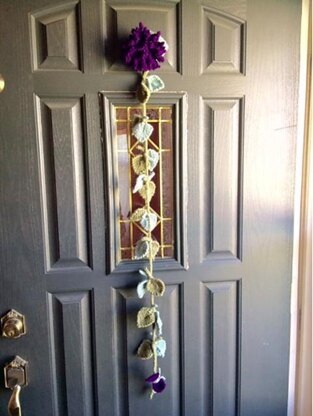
152 298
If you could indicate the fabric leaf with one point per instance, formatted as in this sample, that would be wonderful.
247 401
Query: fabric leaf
156 287
147 191
153 158
160 347
138 214
143 273
145 350
146 317
139 183
159 323
141 289
142 131
139 164
148 221
154 248
155 83
142 249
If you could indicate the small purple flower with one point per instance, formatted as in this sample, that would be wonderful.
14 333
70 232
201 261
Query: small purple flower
153 378
157 381
144 50
159 386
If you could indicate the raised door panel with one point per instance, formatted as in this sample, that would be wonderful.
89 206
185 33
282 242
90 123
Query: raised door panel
122 16
223 42
223 120
55 36
62 150
71 346
221 326
131 394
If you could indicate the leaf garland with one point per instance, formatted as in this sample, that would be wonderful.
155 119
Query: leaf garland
143 165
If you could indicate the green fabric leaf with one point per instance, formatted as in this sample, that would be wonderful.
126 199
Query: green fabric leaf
139 183
153 157
160 347
141 289
143 273
139 164
146 317
147 191
138 214
154 248
145 350
155 83
142 249
159 323
142 131
156 287
148 221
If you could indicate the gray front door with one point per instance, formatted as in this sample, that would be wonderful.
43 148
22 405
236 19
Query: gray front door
227 122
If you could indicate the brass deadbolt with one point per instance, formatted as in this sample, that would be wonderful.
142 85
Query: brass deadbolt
13 324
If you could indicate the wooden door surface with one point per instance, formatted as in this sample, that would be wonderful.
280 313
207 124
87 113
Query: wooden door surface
227 121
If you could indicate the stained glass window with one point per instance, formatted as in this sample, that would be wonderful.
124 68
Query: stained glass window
162 202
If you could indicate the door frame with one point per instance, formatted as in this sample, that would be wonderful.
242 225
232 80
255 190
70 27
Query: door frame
300 360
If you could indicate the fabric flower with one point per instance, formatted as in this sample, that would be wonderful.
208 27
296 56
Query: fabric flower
157 381
144 50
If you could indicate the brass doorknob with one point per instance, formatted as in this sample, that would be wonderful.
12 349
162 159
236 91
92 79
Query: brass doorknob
15 377
2 83
13 324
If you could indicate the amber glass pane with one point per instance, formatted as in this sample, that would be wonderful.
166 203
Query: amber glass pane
162 202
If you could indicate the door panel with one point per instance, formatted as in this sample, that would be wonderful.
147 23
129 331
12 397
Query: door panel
71 343
221 303
62 149
121 15
231 83
223 121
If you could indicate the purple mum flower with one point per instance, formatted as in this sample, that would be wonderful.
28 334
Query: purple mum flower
143 50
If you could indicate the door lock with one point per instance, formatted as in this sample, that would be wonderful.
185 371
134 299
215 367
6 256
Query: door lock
15 377
13 324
